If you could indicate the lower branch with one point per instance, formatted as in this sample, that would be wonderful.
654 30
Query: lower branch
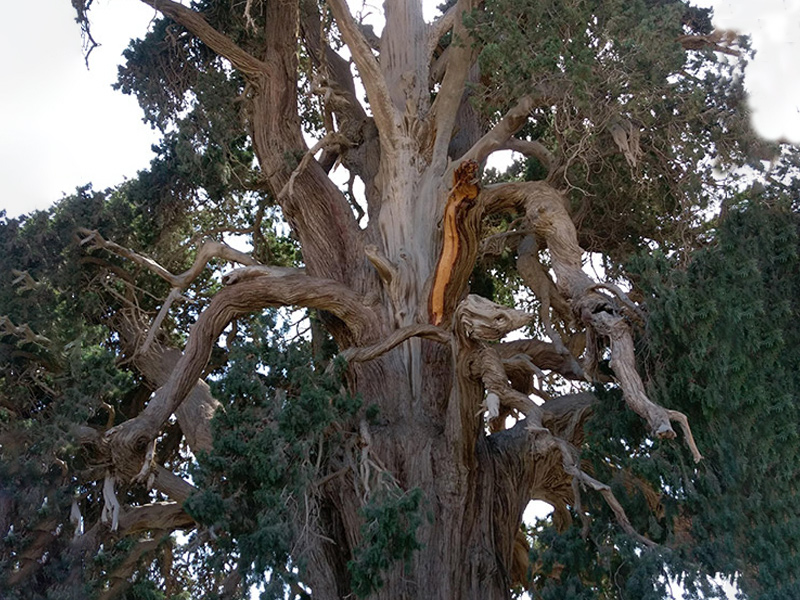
128 441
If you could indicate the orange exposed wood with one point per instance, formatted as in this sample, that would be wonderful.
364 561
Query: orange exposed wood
464 190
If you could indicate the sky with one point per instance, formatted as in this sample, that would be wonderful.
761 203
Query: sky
64 126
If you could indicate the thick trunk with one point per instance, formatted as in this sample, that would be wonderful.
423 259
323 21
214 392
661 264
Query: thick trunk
474 493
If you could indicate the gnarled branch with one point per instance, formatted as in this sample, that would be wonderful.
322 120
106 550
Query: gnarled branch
533 148
547 215
429 332
210 249
219 43
498 136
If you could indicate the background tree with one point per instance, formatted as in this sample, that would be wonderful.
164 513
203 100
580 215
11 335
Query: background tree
343 419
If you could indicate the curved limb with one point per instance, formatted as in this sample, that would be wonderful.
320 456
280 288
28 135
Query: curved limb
127 441
547 214
209 250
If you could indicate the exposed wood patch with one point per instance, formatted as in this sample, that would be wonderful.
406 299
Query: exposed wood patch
462 195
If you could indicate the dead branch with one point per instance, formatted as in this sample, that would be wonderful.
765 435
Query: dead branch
537 279
477 321
498 136
459 60
571 467
331 140
440 27
155 326
532 148
548 217
626 137
544 355
160 516
209 250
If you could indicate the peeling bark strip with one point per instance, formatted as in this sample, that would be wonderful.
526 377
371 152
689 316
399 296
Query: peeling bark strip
462 196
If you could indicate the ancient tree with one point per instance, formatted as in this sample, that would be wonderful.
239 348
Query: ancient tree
390 450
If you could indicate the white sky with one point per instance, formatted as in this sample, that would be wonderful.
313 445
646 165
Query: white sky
64 126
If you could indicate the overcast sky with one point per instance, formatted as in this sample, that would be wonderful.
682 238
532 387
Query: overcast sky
64 126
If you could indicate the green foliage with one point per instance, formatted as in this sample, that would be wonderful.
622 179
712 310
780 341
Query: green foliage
388 536
601 67
62 360
722 347
58 369
281 421
727 354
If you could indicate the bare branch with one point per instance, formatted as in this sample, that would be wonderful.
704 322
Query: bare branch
155 326
678 416
380 99
544 355
156 363
162 516
331 140
429 332
440 27
242 273
571 467
532 148
499 135
635 312
210 249
219 43
546 211
538 280
460 57
173 486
